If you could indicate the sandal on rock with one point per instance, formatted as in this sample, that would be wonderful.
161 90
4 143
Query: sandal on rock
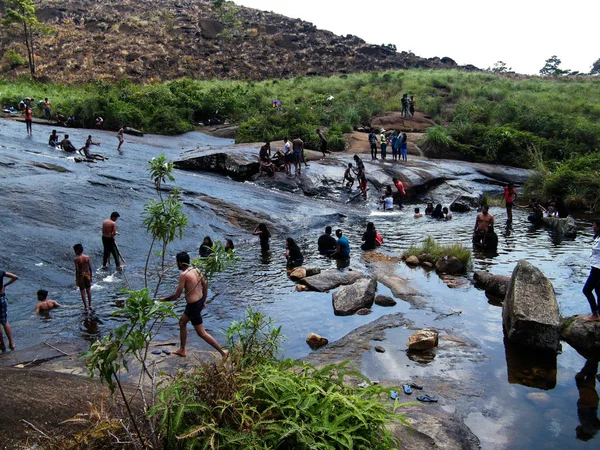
155 352
393 395
426 398
416 386
166 352
406 388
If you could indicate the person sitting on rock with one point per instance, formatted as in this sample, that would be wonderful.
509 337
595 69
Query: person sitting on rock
264 159
66 145
86 150
348 178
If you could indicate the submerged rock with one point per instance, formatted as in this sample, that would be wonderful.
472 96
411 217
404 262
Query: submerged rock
451 265
493 285
384 300
330 279
530 315
423 339
582 335
349 299
412 260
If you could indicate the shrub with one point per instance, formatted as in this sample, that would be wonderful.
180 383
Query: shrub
431 247
12 59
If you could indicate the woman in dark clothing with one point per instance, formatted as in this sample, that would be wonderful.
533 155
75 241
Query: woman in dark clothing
437 212
206 247
429 209
369 237
264 235
292 253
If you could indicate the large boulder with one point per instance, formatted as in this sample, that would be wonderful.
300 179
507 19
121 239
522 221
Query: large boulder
493 285
451 265
240 162
330 279
582 335
349 299
564 225
465 203
530 315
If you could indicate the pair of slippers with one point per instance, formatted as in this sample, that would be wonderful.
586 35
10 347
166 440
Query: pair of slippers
158 352
427 398
407 388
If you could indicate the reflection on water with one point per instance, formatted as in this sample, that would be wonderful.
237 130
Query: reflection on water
530 367
587 404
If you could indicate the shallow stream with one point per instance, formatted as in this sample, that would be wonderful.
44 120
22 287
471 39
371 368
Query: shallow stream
49 203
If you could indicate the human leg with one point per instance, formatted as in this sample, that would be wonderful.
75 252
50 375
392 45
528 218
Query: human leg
593 285
509 211
107 244
115 254
89 297
209 339
8 332
82 292
183 320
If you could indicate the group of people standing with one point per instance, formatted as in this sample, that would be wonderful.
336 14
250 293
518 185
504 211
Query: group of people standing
396 140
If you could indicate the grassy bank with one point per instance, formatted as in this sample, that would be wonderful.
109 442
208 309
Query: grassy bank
436 250
485 116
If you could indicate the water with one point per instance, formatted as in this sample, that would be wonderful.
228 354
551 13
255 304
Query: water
46 211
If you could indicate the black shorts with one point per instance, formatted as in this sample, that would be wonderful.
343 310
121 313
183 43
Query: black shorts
194 312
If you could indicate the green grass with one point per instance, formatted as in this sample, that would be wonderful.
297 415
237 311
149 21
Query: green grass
431 247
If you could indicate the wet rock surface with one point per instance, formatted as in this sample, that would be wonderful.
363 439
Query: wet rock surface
582 335
530 311
450 265
423 340
330 279
358 295
493 285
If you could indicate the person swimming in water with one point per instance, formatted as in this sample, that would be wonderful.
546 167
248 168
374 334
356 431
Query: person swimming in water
43 304
293 254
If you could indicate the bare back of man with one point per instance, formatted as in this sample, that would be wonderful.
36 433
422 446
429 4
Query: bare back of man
483 221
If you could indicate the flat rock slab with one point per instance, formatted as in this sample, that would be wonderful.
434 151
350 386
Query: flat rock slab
330 279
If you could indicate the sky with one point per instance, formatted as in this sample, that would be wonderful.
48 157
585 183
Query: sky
521 33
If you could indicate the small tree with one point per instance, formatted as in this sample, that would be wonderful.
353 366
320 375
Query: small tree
595 68
500 67
21 13
551 67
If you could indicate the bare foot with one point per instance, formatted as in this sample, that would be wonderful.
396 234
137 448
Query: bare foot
103 267
119 267
12 347
224 354
179 352
593 318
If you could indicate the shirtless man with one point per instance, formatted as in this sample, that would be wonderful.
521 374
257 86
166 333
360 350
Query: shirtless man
348 178
83 275
120 137
193 283
43 304
109 231
298 149
86 149
483 221
66 145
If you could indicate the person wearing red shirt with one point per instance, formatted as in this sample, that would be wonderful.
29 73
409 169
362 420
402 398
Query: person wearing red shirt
401 192
509 197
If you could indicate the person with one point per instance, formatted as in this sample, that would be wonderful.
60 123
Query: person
99 122
429 209
342 246
593 282
369 237
298 149
510 196
326 242
264 235
4 310
418 214
359 162
70 121
447 213
587 403
195 287
437 212
401 192
322 142
46 106
43 304
86 149
404 102
293 255
53 139
279 160
109 231
411 106
83 275
206 247
383 142
229 247
537 214
387 199
348 178
66 145
264 159
404 146
482 223
28 118
395 143
373 143
288 155
362 181
120 137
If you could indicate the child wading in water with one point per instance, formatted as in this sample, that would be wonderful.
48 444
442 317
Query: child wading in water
83 275
44 305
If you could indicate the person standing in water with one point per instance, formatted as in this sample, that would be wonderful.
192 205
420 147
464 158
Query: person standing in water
195 287
109 231
83 275
322 143
264 235
4 310
593 282
120 137
28 118
510 196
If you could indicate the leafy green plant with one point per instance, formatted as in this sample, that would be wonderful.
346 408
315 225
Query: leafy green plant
436 250
252 400
12 59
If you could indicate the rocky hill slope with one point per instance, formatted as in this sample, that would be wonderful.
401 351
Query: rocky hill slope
158 40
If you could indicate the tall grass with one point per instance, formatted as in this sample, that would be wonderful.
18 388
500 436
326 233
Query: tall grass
436 250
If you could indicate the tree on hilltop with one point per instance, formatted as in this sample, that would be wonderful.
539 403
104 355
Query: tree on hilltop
500 67
595 68
551 67
21 14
